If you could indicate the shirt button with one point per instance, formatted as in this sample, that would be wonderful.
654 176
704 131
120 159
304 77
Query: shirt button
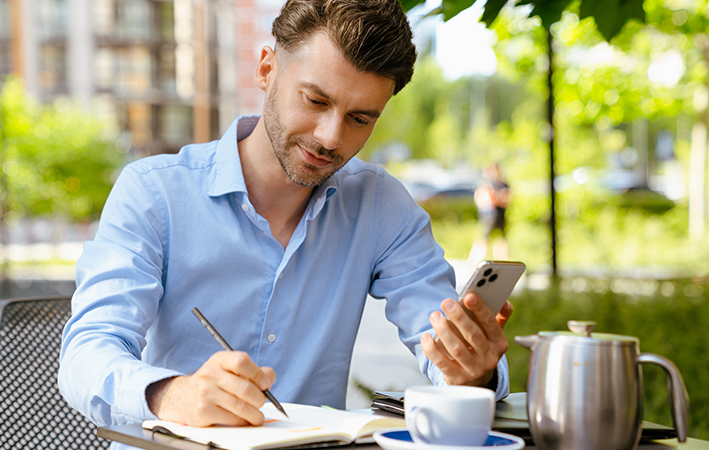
245 207
271 337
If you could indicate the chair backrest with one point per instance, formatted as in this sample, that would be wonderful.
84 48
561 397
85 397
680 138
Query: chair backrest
33 414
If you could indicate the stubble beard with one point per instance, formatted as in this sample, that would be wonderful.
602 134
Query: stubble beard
285 148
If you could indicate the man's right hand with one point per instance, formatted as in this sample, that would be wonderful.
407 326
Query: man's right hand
226 390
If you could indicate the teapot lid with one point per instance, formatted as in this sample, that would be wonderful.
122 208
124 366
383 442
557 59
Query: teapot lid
582 330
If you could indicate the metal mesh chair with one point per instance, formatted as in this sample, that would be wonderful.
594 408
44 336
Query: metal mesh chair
33 414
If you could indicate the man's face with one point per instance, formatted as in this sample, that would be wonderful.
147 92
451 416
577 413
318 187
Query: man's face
319 110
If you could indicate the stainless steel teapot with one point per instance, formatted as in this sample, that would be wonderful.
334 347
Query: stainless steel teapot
585 390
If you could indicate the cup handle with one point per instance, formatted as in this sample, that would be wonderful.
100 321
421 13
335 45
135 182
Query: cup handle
679 399
421 424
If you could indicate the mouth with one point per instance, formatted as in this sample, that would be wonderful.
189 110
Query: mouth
314 160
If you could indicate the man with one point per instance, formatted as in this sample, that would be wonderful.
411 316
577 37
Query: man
277 234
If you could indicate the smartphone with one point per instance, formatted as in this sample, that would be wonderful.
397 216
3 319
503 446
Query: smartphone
493 282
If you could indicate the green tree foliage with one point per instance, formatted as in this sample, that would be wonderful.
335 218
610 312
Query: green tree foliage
609 15
55 160
602 92
419 116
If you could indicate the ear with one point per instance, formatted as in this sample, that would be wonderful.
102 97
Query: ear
266 69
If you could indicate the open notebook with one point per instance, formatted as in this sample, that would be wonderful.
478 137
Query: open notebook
307 425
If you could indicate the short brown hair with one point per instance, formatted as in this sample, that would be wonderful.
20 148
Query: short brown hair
373 35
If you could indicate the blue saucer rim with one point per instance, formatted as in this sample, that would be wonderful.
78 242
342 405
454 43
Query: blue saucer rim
498 439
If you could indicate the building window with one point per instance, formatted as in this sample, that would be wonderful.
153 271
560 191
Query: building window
52 19
5 20
53 71
133 74
166 21
122 19
139 120
5 59
176 124
167 78
133 19
104 68
104 17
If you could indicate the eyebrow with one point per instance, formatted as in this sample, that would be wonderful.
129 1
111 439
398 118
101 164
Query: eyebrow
373 113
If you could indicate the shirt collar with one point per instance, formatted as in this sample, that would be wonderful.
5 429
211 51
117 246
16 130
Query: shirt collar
230 176
320 196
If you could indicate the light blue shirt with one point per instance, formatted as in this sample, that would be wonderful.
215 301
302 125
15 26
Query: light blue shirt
179 231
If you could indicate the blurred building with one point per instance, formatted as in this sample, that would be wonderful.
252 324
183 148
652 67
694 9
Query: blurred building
169 72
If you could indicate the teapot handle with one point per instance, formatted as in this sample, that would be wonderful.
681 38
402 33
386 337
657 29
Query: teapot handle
679 400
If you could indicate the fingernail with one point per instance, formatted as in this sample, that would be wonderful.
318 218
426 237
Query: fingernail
436 316
448 305
426 339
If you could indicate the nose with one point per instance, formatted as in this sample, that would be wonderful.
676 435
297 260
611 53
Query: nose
329 131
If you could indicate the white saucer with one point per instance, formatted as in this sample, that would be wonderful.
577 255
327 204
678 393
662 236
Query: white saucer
400 439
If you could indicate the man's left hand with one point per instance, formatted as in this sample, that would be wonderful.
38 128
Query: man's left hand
472 360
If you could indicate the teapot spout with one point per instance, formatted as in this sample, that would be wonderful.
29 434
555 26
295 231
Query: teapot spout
527 341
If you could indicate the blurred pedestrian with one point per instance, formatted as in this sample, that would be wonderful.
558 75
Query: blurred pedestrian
492 199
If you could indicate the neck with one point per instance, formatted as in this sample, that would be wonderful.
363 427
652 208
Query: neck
274 196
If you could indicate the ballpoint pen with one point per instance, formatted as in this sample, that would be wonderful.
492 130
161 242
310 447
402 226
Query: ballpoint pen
225 345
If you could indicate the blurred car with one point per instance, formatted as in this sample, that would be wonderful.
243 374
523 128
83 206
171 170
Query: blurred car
424 192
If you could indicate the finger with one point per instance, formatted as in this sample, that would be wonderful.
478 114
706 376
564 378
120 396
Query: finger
203 400
243 397
443 361
240 364
249 381
455 344
484 317
239 408
473 337
442 348
220 416
504 315
270 373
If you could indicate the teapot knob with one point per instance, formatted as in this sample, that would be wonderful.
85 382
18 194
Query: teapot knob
581 327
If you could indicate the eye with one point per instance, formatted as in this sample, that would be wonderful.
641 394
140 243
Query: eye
315 101
359 120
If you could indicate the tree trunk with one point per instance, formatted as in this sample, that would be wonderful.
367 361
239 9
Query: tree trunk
552 174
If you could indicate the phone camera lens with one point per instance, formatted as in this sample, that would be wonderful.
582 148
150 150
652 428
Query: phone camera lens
487 272
481 282
493 278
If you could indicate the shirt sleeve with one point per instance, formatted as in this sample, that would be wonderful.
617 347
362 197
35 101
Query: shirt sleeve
413 276
119 285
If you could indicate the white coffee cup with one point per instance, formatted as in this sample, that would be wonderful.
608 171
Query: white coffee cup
449 415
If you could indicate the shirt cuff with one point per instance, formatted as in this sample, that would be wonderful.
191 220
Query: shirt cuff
138 409
502 388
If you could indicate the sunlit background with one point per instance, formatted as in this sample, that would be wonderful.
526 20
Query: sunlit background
89 85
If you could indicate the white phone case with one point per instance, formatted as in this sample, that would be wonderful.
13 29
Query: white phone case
493 282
